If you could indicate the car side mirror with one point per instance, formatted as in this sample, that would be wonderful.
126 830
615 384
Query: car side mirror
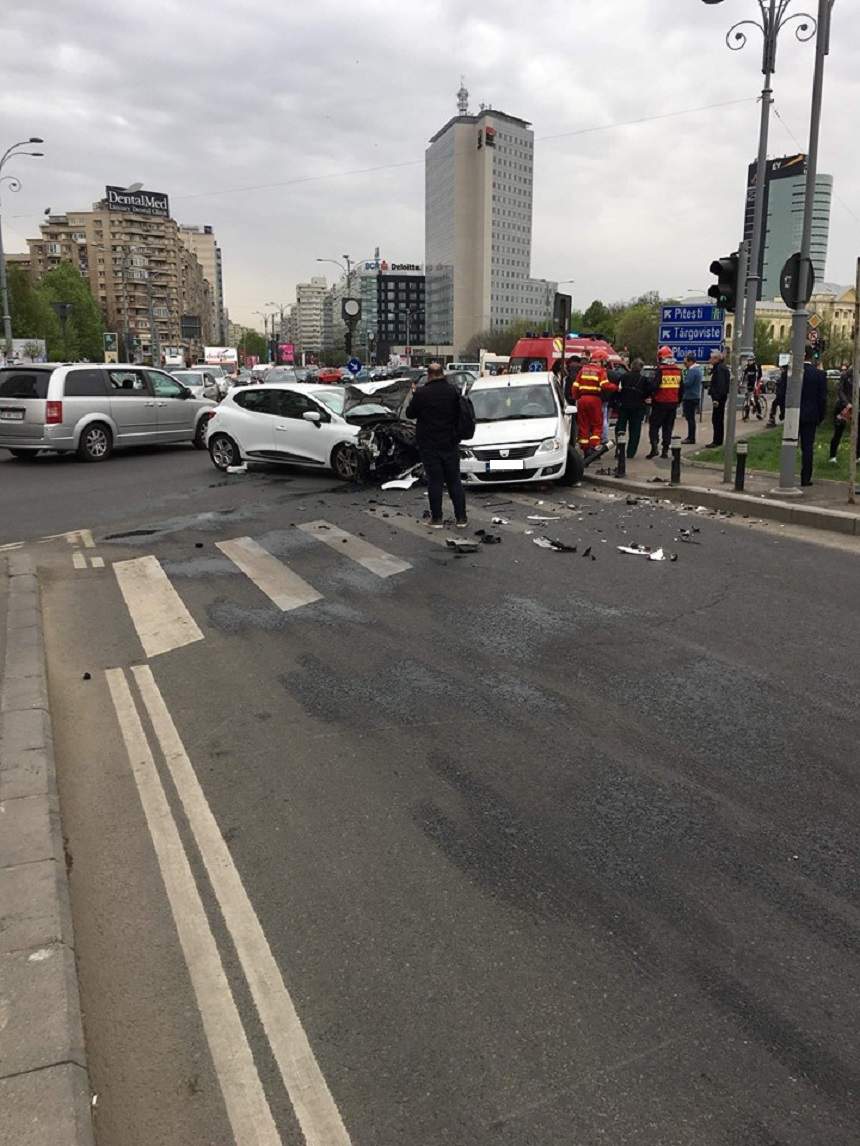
570 409
186 393
312 416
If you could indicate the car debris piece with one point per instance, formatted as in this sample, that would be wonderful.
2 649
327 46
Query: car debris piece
537 517
405 480
242 469
644 551
462 546
553 543
500 521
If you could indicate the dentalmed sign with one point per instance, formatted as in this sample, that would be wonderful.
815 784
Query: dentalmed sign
139 202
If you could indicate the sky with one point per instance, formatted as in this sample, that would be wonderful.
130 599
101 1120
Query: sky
264 120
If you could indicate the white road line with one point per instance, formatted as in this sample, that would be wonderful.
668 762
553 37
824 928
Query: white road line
250 1117
408 523
97 562
162 621
78 560
376 560
312 1101
87 538
12 545
277 580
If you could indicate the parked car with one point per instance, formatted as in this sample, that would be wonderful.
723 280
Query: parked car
220 375
280 374
199 382
93 408
524 432
330 375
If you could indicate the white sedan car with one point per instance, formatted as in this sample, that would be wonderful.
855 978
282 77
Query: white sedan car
299 424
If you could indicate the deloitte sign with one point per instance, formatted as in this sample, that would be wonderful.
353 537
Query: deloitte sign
137 202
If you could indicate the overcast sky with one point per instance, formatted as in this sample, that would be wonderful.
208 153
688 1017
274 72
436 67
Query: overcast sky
197 99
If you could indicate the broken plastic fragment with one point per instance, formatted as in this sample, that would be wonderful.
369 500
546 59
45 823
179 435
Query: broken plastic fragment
400 483
643 551
537 517
242 469
462 546
500 521
553 543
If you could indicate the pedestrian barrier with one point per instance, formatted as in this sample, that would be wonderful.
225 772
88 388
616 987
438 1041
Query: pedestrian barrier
621 454
675 476
741 465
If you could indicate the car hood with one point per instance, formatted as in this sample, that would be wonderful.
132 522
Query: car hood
516 430
394 398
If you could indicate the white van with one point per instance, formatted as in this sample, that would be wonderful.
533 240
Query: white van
523 433
462 367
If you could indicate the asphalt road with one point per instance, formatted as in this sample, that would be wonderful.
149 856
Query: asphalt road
545 847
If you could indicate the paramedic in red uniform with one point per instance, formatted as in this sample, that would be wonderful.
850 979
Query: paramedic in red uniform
588 389
664 401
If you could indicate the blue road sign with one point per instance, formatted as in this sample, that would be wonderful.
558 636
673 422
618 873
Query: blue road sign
354 365
696 330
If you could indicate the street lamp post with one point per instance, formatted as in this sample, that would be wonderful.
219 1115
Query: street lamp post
774 17
800 320
14 185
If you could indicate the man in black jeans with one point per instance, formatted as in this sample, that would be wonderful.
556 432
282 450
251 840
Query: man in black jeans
813 407
721 384
436 410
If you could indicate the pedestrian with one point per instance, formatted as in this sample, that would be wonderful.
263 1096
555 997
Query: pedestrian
842 413
778 402
664 402
588 389
691 395
813 407
614 373
436 410
752 375
719 388
634 389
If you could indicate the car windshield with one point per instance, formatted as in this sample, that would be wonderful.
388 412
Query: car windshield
332 396
188 377
509 403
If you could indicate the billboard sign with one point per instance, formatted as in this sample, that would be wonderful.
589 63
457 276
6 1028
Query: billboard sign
696 330
225 356
286 353
137 202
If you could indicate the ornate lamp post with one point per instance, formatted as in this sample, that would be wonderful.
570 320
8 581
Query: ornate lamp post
14 185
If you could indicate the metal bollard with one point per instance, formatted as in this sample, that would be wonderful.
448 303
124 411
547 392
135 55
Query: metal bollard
621 455
675 477
741 465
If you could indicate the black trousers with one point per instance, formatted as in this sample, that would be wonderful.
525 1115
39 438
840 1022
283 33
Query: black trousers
839 428
660 423
807 448
442 468
718 420
691 408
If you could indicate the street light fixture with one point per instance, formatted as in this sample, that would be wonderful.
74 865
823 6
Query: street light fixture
14 185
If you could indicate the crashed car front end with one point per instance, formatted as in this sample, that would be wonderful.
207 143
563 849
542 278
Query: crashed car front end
386 440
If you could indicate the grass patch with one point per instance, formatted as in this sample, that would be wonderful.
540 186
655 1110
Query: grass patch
764 450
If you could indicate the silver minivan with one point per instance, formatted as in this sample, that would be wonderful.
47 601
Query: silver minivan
92 408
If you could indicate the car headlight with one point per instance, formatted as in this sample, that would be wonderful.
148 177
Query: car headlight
549 446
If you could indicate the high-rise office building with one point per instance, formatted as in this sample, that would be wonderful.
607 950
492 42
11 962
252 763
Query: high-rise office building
784 202
478 228
308 314
201 241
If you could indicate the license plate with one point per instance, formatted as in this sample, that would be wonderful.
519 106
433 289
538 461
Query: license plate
11 415
509 465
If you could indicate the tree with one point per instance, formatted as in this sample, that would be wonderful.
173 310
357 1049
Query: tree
253 345
636 330
765 347
498 341
82 336
598 319
32 315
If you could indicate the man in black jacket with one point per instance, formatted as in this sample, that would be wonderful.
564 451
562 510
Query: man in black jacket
436 410
813 407
721 384
634 388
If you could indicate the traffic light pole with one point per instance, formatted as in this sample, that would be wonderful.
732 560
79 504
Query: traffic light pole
738 334
752 276
788 451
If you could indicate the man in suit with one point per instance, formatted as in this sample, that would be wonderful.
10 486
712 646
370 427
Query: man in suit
813 407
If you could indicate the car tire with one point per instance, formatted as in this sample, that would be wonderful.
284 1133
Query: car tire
224 452
199 439
575 468
346 463
95 443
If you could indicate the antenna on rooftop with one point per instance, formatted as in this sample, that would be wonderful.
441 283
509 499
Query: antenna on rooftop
462 98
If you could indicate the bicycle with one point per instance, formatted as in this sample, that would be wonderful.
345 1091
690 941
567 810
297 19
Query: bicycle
754 402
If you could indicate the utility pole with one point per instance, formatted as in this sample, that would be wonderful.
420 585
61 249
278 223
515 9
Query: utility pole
799 324
731 413
14 185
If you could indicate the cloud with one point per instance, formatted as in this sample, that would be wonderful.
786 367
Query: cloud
194 98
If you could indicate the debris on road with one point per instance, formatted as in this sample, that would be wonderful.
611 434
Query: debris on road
488 538
242 469
537 517
645 551
553 543
406 480
500 521
461 545
86 676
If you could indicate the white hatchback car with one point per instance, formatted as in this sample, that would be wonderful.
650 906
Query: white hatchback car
523 433
296 423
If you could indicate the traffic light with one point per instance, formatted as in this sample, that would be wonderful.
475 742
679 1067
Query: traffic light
725 289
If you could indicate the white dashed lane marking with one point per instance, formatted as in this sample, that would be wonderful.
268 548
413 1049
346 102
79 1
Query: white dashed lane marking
280 584
369 556
162 621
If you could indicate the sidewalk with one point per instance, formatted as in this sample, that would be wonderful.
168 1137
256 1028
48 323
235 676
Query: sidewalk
44 1089
822 506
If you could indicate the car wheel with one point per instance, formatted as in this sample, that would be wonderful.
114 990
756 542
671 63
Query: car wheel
345 462
95 443
199 440
575 468
224 452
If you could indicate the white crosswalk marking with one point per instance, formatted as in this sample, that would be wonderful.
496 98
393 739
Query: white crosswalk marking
375 560
78 560
284 587
97 562
162 621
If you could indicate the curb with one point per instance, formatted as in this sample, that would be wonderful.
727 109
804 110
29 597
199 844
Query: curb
44 1085
813 517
